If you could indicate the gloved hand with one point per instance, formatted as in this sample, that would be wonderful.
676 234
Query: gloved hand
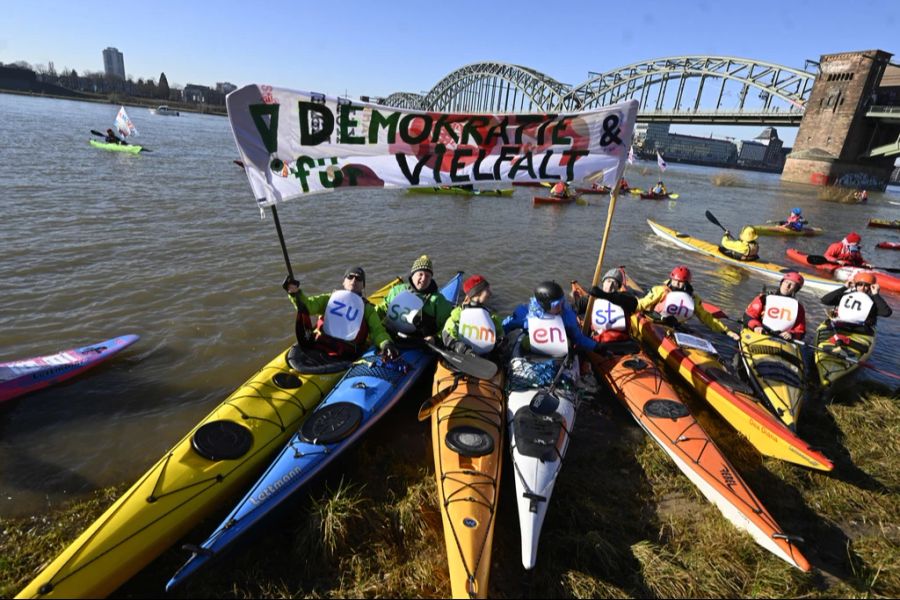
460 347
389 351
289 281
595 291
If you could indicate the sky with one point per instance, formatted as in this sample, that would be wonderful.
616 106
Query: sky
375 48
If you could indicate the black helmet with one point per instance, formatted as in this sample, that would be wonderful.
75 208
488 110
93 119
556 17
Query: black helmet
548 294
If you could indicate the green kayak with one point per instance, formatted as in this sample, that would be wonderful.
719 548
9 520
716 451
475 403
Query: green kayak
116 147
771 229
459 191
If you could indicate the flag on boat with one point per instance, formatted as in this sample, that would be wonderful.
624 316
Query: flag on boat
631 155
124 124
294 144
659 161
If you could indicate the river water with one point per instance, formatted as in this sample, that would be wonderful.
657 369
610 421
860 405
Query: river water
169 245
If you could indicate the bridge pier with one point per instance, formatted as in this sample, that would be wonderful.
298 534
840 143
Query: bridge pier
836 137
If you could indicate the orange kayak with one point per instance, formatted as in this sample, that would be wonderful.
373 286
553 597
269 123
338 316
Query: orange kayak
468 427
655 405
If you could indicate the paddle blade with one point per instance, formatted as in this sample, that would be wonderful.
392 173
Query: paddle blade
816 259
95 132
674 196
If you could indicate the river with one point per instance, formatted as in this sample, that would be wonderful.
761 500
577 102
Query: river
169 245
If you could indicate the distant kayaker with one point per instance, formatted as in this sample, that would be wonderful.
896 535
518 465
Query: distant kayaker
795 220
675 302
779 312
744 248
659 189
612 308
861 196
550 322
859 303
416 308
561 189
473 327
623 185
346 319
847 251
112 138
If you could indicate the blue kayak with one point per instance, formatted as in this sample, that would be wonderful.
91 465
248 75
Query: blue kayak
366 392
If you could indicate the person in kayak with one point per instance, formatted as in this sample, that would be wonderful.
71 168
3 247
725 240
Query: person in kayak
861 196
659 189
112 138
560 189
744 248
612 308
675 302
847 251
623 185
550 322
795 220
779 312
416 308
473 327
340 333
859 303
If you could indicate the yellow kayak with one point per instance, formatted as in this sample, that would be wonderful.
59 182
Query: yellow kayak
467 433
775 368
215 461
840 349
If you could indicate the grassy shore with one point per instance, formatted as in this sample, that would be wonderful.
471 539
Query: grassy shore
623 522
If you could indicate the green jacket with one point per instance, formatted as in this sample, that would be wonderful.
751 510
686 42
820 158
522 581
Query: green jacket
451 327
435 312
317 304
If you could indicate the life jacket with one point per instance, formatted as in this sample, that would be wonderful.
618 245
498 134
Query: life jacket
854 308
739 249
794 222
779 312
676 304
608 321
547 335
342 328
477 329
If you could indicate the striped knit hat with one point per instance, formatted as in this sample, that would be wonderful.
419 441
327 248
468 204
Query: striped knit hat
423 263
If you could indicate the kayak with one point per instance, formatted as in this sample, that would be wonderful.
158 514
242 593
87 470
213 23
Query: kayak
888 245
130 148
28 375
215 461
770 270
775 369
895 224
656 407
840 349
364 394
468 441
539 426
842 273
782 230
538 200
459 191
653 196
697 362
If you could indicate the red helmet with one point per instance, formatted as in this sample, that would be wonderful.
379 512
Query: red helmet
853 238
681 273
795 277
863 277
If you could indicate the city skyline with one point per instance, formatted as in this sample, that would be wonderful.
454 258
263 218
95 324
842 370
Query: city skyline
374 50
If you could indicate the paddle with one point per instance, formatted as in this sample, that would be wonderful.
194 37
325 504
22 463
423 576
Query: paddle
712 219
818 259
470 364
122 142
613 197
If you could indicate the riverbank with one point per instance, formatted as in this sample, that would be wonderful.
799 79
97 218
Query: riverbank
624 522
126 101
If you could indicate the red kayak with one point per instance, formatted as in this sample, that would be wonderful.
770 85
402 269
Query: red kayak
652 196
538 200
844 273
602 189
888 245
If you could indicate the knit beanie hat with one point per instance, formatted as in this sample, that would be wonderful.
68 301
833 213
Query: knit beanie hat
474 285
358 271
423 263
614 274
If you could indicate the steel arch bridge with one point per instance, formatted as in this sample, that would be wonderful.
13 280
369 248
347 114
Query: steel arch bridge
678 89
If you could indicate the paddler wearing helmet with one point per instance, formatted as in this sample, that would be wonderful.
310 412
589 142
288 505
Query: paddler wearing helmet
612 308
474 327
779 312
859 303
744 248
415 308
848 251
795 220
675 302
550 323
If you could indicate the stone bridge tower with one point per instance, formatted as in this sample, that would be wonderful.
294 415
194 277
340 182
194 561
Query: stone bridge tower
836 136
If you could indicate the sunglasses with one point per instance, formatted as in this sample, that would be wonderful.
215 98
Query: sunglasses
352 276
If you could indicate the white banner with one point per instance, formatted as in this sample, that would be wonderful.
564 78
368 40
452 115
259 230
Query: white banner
294 144
660 162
